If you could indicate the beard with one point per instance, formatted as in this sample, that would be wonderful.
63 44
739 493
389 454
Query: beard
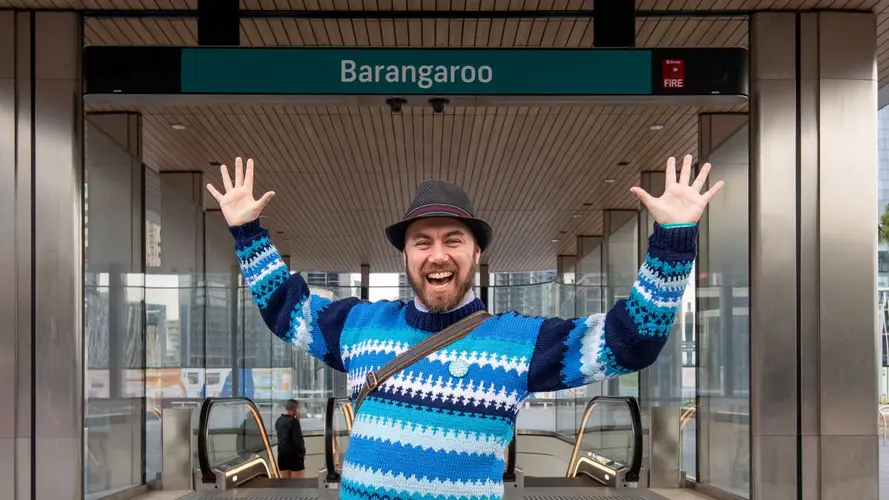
446 299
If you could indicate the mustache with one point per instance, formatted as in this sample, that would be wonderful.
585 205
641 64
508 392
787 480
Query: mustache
438 269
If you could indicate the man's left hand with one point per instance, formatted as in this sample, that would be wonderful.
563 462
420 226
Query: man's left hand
681 203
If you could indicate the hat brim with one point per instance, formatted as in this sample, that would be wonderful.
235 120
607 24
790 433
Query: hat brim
480 229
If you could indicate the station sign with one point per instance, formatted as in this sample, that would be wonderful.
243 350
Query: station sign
415 71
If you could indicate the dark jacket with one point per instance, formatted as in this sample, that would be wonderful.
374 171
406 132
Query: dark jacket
290 437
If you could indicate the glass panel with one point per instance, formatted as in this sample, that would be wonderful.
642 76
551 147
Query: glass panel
114 350
723 337
233 433
175 299
608 432
622 247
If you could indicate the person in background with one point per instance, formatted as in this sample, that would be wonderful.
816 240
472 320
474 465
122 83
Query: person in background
291 445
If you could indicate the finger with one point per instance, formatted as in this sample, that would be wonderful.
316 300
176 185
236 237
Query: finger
685 174
248 176
698 185
265 199
216 194
226 179
671 171
643 196
712 192
239 172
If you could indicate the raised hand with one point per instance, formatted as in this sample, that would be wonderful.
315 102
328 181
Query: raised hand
680 202
237 204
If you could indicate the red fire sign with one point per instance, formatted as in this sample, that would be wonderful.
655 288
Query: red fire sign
674 73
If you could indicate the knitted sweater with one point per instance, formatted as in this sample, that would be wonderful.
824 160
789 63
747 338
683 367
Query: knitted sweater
439 429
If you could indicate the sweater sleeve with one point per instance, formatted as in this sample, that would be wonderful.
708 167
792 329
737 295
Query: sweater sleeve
308 321
570 353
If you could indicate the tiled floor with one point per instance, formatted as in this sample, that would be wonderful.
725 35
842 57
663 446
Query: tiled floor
680 494
163 495
884 471
670 494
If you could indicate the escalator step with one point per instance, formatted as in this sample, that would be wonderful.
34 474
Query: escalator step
606 496
249 495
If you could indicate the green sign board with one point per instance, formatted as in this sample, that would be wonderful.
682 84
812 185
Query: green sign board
314 71
415 71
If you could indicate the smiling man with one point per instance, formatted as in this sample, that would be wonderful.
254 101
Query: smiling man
439 427
441 243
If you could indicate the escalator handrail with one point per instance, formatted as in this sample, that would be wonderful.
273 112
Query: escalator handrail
635 464
509 472
330 441
346 406
203 433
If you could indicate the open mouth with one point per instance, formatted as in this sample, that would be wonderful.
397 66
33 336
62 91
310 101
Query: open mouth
440 279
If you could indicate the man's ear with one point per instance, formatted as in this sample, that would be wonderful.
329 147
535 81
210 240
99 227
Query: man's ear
478 254
404 258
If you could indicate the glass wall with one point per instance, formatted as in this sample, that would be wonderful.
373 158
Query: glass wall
168 321
883 286
722 419
114 342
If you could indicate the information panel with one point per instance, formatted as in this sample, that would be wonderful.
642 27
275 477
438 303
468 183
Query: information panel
415 71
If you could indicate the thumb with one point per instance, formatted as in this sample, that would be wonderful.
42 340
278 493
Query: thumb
265 199
643 196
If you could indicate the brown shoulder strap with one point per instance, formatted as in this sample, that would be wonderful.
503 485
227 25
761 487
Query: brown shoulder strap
445 337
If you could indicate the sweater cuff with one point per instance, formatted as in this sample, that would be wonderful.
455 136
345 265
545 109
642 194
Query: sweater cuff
246 231
680 238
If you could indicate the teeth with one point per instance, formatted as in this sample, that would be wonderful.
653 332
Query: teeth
441 275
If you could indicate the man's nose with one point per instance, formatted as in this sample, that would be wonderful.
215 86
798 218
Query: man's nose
438 254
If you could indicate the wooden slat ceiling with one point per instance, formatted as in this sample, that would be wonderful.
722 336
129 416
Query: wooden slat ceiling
511 159
469 5
343 174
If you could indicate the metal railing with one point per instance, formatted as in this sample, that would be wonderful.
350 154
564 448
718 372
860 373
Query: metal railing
607 471
248 462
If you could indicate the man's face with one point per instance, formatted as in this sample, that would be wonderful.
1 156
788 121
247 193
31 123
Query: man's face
440 258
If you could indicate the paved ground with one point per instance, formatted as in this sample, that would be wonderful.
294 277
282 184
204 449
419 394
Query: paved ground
884 471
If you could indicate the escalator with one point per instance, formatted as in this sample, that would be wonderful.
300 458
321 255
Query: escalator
606 461
607 450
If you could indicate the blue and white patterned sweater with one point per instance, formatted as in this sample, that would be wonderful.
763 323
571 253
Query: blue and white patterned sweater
432 431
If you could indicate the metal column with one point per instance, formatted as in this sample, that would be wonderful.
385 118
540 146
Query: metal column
813 255
41 127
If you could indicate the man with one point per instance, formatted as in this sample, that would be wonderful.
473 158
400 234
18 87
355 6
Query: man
291 445
439 428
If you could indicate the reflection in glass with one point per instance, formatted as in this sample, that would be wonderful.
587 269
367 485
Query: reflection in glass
722 417
608 432
113 317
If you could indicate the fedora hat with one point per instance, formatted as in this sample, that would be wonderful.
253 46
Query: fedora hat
440 199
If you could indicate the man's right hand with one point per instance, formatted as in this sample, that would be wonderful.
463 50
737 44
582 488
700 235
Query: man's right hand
237 204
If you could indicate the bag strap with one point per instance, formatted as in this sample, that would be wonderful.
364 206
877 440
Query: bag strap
445 337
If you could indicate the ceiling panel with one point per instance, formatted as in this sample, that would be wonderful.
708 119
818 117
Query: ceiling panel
453 5
101 4
537 173
342 174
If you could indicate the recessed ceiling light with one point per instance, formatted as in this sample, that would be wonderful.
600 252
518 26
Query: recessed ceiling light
576 216
623 163
178 126
656 127
555 240
609 181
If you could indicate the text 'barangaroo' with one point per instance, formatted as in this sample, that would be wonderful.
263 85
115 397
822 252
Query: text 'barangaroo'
424 75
